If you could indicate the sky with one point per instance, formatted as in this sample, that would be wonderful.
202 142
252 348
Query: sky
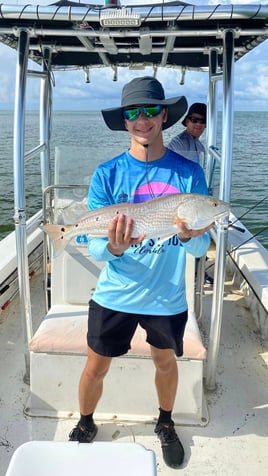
72 93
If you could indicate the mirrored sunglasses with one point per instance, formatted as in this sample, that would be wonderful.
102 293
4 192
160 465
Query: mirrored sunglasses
197 120
133 113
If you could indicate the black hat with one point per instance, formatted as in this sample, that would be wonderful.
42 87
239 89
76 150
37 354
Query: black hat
198 108
141 91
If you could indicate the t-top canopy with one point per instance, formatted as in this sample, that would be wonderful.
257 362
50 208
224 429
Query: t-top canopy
171 34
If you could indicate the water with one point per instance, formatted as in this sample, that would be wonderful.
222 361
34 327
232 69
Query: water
84 138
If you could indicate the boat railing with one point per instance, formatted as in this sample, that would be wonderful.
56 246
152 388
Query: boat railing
34 222
9 264
215 157
34 152
60 210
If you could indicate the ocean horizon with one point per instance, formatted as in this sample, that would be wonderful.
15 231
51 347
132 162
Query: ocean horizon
85 135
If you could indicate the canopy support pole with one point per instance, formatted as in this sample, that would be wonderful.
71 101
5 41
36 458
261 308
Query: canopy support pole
19 195
225 191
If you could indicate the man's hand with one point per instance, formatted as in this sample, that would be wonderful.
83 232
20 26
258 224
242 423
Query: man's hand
119 235
185 234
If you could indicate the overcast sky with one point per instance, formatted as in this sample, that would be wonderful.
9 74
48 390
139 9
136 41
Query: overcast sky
71 91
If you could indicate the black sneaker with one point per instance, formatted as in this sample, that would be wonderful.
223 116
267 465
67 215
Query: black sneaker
172 449
83 434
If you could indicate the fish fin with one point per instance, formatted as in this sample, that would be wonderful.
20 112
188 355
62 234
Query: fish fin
57 234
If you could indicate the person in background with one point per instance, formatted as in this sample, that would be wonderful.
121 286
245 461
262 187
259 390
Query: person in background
187 143
143 281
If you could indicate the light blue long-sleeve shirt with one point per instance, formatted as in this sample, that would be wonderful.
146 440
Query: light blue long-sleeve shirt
149 278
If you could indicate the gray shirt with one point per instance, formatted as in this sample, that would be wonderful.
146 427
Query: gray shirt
186 145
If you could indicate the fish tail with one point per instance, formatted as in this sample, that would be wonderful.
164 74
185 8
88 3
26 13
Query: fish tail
58 235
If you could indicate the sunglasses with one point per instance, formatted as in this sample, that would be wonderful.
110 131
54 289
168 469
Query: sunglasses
133 113
196 120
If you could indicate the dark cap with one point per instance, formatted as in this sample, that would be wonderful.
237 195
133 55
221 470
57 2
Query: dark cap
198 108
142 91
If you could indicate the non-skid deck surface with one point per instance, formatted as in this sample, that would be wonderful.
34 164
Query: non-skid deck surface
234 442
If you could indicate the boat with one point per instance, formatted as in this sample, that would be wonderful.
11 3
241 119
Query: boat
222 403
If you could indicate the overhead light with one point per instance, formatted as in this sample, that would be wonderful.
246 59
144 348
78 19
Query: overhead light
121 18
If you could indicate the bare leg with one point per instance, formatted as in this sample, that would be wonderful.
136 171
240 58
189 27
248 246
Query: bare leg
91 381
166 376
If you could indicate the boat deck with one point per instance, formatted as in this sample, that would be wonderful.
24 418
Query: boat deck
233 443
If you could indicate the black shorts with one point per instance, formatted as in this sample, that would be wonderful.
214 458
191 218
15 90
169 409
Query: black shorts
110 332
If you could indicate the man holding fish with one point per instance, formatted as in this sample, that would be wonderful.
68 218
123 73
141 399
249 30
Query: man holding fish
143 281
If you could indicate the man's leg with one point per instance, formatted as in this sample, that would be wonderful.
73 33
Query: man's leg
90 391
166 376
166 381
91 381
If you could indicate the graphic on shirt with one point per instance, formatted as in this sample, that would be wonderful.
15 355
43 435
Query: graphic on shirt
152 190
123 198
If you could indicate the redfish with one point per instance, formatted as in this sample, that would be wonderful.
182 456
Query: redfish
157 218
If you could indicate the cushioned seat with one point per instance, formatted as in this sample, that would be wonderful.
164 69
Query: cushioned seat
65 328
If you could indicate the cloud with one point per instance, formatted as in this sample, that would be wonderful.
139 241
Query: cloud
251 79
258 87
8 68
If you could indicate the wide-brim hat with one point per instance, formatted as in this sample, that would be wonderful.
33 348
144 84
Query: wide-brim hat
141 91
196 108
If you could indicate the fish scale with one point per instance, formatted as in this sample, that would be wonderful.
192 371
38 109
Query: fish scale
147 219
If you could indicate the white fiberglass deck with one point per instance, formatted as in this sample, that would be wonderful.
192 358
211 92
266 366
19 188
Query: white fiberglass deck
233 443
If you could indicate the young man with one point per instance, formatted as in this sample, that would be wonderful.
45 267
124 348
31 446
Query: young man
187 143
142 282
